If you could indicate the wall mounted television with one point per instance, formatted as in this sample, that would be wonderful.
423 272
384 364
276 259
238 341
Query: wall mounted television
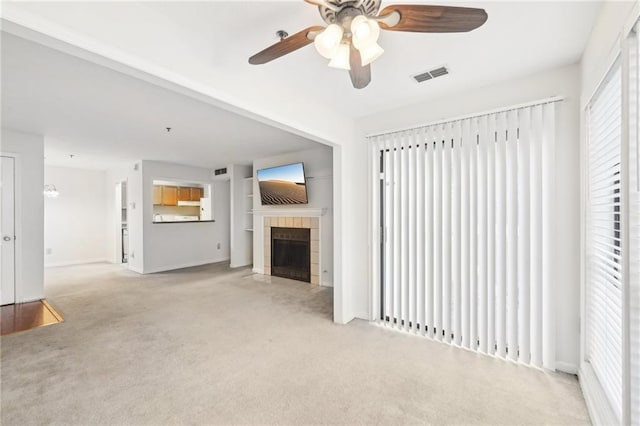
283 185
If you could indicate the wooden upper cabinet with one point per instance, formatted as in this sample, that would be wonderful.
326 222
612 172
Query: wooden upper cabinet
169 195
196 194
157 195
164 195
184 193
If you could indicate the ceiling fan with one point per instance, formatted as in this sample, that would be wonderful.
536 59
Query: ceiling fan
350 38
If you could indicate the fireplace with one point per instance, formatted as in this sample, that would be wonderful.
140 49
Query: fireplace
291 253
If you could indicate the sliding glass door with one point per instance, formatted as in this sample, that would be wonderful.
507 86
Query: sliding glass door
465 220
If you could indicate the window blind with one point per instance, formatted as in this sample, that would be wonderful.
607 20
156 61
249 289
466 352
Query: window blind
464 212
603 305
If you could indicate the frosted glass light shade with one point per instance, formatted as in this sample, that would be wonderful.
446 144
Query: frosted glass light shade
364 32
341 58
370 53
50 191
328 41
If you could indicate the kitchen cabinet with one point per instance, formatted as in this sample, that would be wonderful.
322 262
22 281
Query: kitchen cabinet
157 195
196 193
166 195
169 195
184 193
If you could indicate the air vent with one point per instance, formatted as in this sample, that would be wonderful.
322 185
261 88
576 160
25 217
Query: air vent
423 77
438 72
219 172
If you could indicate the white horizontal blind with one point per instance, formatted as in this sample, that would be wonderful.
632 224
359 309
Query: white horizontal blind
603 342
464 209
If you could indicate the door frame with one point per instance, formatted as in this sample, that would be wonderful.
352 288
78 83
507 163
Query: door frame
117 254
17 220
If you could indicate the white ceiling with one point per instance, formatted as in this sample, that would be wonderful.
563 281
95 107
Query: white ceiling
105 118
96 112
519 38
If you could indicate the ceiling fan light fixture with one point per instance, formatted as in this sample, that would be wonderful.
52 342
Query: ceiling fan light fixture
370 54
350 38
341 58
328 41
364 32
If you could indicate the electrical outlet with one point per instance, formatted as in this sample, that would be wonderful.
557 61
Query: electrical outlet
218 246
49 251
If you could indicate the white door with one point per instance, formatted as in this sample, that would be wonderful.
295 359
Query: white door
7 231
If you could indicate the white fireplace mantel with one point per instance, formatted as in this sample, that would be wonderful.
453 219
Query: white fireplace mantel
302 212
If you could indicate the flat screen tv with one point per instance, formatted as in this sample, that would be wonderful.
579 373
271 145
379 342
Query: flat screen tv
283 185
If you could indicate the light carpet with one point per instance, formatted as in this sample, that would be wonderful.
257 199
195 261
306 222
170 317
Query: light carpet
213 345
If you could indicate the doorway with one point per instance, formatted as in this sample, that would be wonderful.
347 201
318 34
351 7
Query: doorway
8 243
122 230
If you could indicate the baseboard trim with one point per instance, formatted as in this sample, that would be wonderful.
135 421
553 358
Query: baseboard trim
598 405
362 315
29 299
183 265
135 269
258 271
76 262
566 367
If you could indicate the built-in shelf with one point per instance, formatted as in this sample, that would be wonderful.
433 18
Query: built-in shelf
250 195
249 178
249 230
249 213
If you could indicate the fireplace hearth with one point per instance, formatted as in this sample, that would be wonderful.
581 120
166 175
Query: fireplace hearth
291 253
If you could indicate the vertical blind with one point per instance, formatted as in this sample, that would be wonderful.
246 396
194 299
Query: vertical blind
465 215
603 307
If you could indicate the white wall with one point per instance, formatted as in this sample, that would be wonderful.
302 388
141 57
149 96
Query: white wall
318 168
241 239
29 212
75 222
612 24
559 82
169 246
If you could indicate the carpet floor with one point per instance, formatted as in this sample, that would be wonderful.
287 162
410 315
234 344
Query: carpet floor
213 345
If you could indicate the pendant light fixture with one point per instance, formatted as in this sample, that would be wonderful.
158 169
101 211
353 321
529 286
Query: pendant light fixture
50 191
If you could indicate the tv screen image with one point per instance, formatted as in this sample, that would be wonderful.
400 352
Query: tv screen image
283 185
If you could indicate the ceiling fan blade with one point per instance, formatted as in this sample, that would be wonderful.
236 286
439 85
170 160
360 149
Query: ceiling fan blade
284 46
431 19
360 75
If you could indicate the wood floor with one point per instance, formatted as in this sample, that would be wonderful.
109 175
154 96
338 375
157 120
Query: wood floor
25 316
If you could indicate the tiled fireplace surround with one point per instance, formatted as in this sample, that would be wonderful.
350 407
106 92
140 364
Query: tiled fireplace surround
312 223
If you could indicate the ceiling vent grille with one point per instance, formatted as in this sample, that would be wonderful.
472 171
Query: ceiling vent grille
428 75
219 172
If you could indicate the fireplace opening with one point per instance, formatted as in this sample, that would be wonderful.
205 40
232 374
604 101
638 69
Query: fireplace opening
291 253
